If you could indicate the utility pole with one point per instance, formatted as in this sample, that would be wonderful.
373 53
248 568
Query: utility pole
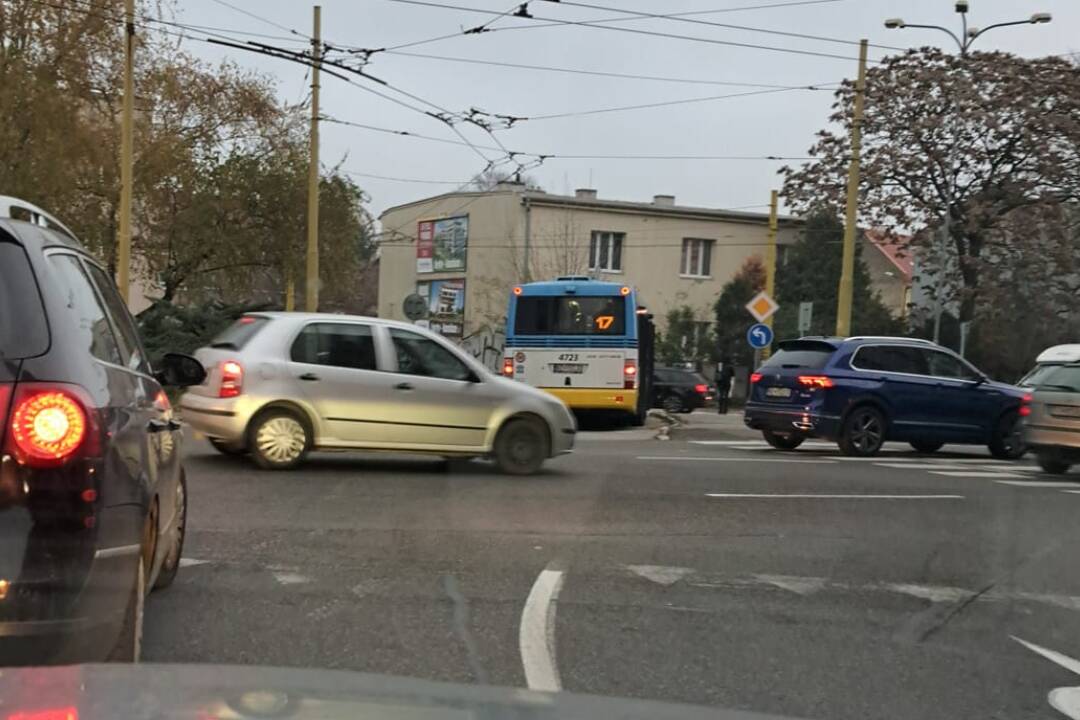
127 142
770 264
847 270
311 283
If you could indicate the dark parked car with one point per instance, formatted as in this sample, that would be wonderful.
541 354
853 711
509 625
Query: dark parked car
92 494
862 391
678 390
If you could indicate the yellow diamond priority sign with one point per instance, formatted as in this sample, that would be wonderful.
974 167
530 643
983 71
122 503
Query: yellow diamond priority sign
762 306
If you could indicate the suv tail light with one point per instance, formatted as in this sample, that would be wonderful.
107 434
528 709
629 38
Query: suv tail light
1025 406
508 367
816 381
755 377
48 426
232 379
701 389
629 374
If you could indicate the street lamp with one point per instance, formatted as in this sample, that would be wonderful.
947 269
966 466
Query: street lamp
963 42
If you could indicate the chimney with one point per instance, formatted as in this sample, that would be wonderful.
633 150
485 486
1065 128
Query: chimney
585 193
665 200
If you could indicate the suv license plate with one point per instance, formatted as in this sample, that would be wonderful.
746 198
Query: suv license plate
568 368
1069 411
778 392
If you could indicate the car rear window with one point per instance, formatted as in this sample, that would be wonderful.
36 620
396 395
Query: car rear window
801 354
237 335
23 330
1064 378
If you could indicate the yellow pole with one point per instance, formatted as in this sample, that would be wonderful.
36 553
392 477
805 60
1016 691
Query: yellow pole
127 142
290 293
311 283
770 263
847 271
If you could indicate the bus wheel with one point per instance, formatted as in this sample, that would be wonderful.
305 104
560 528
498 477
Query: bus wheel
521 447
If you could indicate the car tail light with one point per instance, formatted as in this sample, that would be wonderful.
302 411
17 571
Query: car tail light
58 713
508 367
816 381
1025 406
232 379
47 426
755 377
701 389
629 374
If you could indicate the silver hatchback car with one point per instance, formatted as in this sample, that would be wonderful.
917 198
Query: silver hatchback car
282 384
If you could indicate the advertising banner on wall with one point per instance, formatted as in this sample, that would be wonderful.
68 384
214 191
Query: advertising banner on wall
441 244
446 306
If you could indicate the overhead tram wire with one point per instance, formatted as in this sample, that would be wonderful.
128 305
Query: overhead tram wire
715 11
727 26
649 33
260 18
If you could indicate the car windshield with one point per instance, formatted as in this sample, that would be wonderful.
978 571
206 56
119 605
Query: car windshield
540 352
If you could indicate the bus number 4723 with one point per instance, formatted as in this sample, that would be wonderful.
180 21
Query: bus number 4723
568 357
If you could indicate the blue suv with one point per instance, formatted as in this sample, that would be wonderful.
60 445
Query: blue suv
863 391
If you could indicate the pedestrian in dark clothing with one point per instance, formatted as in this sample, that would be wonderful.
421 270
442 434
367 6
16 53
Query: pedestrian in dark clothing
724 375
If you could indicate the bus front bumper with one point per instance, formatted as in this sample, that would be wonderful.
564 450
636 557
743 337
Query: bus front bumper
596 399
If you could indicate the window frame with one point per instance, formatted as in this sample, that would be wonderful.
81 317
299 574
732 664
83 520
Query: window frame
139 361
855 356
703 269
380 359
606 244
472 376
77 260
974 374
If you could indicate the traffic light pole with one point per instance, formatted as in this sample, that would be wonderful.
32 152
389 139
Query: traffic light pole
311 282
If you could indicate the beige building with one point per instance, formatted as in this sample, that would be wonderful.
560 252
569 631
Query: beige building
478 245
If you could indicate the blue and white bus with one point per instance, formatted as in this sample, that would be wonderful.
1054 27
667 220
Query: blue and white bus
589 343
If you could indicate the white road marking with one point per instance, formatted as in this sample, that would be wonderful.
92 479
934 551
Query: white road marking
691 458
923 466
189 562
660 574
1065 700
797 585
1037 483
536 638
1074 492
806 496
975 474
291 578
757 444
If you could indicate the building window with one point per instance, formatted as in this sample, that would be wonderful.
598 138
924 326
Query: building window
696 257
605 251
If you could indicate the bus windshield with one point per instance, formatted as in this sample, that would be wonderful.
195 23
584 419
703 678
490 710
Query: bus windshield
570 315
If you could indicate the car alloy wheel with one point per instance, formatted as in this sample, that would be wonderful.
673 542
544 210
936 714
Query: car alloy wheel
1008 442
170 564
281 439
864 432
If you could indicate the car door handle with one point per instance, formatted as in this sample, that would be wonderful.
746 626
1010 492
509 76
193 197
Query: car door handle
156 426
309 376
403 386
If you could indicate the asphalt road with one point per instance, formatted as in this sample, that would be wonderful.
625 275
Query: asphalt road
706 569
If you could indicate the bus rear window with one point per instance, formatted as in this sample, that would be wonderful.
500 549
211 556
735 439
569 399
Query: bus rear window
237 335
23 330
570 315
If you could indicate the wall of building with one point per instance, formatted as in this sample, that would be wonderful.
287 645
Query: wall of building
885 278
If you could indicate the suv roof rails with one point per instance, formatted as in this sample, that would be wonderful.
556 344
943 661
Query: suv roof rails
891 337
13 208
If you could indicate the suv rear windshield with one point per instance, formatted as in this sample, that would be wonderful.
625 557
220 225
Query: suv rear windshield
1061 378
809 354
237 335
23 330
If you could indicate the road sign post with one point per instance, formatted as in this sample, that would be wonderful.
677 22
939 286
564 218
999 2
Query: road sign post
806 314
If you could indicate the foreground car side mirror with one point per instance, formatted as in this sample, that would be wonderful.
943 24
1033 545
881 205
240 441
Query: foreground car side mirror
177 370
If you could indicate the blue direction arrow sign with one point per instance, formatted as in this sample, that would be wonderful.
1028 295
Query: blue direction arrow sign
759 336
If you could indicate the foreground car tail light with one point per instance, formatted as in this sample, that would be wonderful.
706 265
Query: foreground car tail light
629 374
58 713
1025 406
701 389
755 377
508 367
232 379
47 426
816 381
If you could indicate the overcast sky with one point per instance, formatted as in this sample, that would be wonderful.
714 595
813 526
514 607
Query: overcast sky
778 123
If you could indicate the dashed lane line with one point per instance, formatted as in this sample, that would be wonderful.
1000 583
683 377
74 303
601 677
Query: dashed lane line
975 474
1038 483
698 458
829 496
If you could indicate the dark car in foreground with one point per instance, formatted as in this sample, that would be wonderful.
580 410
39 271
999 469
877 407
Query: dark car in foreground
92 492
678 390
864 391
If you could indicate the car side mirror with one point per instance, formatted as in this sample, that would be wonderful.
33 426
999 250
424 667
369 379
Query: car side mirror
177 370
